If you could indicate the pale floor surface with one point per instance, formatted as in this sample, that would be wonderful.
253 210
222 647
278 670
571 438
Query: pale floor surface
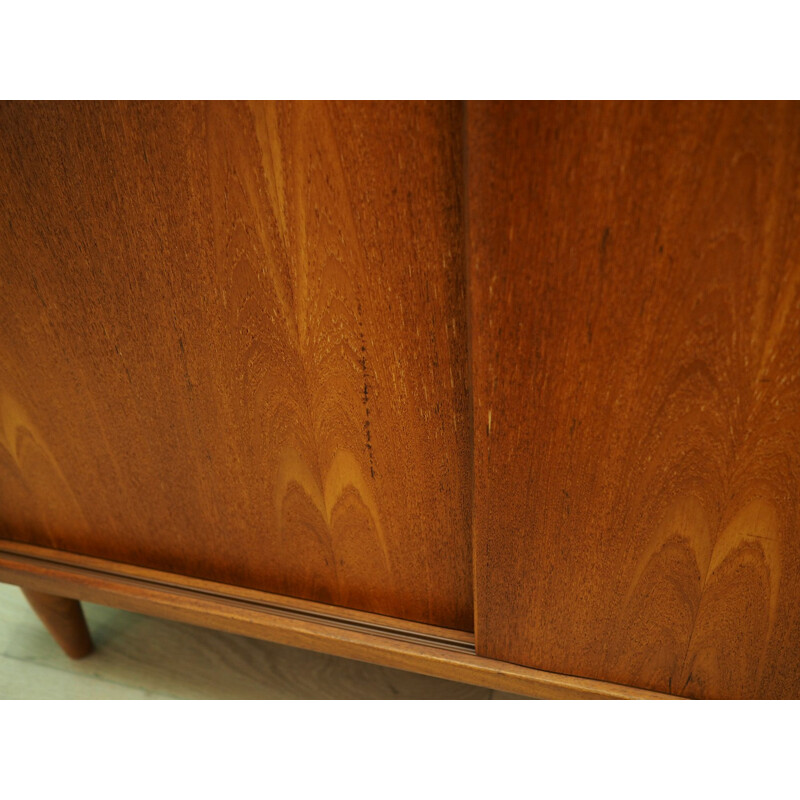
144 658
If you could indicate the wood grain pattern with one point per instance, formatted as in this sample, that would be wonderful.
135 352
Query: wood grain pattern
233 345
635 292
393 643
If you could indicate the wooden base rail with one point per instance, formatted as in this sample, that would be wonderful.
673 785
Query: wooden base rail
427 649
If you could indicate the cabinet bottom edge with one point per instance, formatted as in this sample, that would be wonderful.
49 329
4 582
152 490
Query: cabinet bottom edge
416 647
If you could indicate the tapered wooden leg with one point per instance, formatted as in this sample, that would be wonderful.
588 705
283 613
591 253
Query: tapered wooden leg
65 621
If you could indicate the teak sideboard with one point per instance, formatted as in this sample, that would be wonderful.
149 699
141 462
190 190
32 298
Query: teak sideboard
507 393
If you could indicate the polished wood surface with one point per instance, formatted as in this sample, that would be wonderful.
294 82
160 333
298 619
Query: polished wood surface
341 352
635 297
63 617
427 649
233 345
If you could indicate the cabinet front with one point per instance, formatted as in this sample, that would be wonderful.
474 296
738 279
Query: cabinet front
635 279
233 345
360 353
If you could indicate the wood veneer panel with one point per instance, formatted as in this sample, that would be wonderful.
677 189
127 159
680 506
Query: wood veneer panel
635 285
232 345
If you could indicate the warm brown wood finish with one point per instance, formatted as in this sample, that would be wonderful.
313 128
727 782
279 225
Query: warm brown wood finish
426 649
337 352
635 285
233 345
63 617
